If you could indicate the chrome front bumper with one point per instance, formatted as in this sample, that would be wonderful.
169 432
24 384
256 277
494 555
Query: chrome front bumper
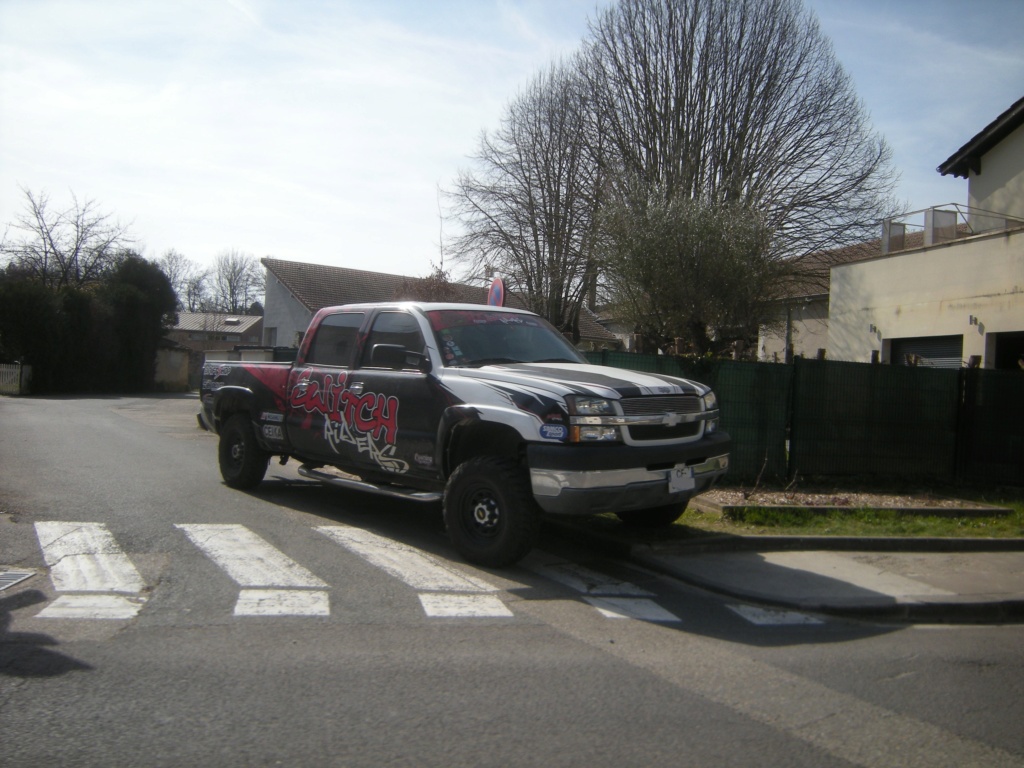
586 492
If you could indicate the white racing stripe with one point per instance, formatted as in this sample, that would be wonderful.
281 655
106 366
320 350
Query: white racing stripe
411 565
272 583
84 557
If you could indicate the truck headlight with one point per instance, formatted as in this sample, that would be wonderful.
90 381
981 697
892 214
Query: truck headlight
589 406
588 417
710 404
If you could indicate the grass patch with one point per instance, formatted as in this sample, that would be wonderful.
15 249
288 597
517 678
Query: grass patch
861 522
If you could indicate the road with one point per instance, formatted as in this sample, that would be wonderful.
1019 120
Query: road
172 621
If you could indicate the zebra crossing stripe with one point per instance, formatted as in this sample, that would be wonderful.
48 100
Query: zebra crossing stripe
272 583
631 608
453 605
411 565
613 598
84 557
85 560
773 617
445 592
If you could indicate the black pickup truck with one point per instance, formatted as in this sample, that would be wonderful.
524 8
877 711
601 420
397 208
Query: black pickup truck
487 409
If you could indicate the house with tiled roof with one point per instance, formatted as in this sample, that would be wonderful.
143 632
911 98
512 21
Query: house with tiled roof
942 287
202 332
296 290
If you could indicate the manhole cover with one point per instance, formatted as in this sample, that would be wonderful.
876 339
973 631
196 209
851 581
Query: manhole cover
10 578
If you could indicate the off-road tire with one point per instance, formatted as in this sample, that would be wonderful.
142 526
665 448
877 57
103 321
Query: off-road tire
242 462
490 513
655 517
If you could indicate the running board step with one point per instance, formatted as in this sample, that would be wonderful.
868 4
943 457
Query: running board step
395 492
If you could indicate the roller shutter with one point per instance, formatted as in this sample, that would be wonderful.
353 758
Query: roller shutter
931 351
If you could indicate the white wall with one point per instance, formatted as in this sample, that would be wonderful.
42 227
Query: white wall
1000 185
283 312
929 292
808 324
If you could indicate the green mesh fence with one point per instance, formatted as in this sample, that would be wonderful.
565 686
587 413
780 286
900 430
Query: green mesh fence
858 419
991 439
828 418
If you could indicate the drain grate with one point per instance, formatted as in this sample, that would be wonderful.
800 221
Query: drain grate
10 578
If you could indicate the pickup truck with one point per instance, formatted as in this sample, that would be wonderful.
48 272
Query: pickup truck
488 410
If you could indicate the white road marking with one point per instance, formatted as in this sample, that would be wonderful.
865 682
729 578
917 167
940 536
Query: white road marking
248 559
282 602
771 617
613 598
449 605
84 557
631 608
584 579
92 607
413 566
272 583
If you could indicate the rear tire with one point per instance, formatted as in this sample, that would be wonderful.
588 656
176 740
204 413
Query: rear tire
242 462
489 511
655 517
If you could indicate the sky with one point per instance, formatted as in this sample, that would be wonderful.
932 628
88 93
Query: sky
324 130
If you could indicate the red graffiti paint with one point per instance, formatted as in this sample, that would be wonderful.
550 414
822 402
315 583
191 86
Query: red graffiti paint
371 413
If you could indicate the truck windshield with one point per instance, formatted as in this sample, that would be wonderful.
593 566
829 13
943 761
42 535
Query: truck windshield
474 338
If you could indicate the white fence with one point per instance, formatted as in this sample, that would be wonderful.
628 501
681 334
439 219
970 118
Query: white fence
15 379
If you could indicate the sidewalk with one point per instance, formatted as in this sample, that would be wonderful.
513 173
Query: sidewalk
975 581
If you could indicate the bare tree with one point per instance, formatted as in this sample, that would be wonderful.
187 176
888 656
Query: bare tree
64 248
189 280
237 282
527 208
739 101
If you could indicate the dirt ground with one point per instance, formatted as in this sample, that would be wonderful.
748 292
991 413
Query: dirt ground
837 498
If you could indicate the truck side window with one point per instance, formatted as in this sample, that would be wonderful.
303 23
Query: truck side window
335 340
393 328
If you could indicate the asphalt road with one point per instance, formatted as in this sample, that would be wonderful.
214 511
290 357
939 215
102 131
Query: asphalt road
171 621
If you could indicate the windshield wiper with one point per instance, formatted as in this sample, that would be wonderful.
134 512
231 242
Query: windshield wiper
556 360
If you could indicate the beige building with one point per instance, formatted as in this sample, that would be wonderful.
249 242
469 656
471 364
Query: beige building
942 287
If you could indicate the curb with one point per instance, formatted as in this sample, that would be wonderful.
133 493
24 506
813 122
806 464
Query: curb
963 611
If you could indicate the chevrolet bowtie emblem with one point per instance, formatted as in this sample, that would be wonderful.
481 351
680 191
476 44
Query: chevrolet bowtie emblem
671 419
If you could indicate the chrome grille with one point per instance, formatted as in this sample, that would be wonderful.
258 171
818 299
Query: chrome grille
651 406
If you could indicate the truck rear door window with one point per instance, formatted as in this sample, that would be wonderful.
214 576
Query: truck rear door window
335 340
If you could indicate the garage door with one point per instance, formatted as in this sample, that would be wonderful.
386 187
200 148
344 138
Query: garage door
932 351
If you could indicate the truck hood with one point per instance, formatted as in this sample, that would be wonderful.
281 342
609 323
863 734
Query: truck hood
563 379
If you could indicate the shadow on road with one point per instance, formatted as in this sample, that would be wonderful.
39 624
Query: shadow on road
26 654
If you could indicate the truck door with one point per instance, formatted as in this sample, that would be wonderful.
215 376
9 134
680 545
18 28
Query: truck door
316 390
394 406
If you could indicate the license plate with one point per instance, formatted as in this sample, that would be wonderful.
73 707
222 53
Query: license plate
680 479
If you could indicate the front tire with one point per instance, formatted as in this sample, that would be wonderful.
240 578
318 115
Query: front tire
489 511
242 462
655 517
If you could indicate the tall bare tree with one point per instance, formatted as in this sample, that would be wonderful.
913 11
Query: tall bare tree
527 207
189 280
237 283
729 124
71 247
739 101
